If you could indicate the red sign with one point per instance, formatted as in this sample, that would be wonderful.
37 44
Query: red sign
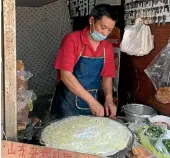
20 150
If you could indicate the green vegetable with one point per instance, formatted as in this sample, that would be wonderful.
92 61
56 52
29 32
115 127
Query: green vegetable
30 105
144 140
154 132
167 144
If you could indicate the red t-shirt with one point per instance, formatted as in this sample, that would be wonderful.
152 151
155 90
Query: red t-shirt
71 47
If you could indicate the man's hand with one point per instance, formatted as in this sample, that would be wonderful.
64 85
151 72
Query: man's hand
96 108
110 107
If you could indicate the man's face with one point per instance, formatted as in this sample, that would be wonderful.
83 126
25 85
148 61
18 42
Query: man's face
103 26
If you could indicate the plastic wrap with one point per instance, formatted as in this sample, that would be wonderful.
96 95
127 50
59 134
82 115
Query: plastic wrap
25 97
155 145
24 105
22 80
159 73
160 146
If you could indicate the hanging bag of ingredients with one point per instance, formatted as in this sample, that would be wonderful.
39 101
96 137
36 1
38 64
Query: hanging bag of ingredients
159 73
137 39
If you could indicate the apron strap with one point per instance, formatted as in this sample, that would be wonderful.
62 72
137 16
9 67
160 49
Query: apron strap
81 52
104 55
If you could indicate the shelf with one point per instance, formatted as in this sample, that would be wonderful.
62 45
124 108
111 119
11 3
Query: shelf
143 8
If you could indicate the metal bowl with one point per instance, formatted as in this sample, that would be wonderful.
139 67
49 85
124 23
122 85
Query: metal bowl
138 112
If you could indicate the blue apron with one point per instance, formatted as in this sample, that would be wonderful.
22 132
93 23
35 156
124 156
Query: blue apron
87 70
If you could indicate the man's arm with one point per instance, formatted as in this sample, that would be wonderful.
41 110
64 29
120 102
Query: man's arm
74 86
107 85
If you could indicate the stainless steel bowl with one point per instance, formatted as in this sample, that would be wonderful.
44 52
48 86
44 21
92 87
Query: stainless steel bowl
138 112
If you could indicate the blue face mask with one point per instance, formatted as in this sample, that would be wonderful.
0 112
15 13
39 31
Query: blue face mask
98 36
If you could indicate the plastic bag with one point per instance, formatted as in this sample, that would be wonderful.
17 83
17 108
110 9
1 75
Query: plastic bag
159 73
22 114
160 146
26 96
22 79
159 69
154 146
24 105
137 39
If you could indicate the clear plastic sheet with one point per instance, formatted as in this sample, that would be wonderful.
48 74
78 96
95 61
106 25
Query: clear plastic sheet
158 72
159 69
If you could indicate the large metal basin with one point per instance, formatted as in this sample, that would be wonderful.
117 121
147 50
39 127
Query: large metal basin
138 112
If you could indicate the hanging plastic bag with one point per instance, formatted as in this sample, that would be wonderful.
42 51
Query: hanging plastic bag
24 105
27 95
25 99
158 72
22 80
137 39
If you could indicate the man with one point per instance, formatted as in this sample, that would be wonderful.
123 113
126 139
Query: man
85 63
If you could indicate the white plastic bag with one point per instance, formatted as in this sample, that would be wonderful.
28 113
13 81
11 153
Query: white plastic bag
137 39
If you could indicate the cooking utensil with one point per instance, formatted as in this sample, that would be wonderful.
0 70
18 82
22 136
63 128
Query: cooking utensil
124 120
138 112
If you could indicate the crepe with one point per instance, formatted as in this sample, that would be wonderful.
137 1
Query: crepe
85 134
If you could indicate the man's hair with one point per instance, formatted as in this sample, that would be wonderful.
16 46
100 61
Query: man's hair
103 10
